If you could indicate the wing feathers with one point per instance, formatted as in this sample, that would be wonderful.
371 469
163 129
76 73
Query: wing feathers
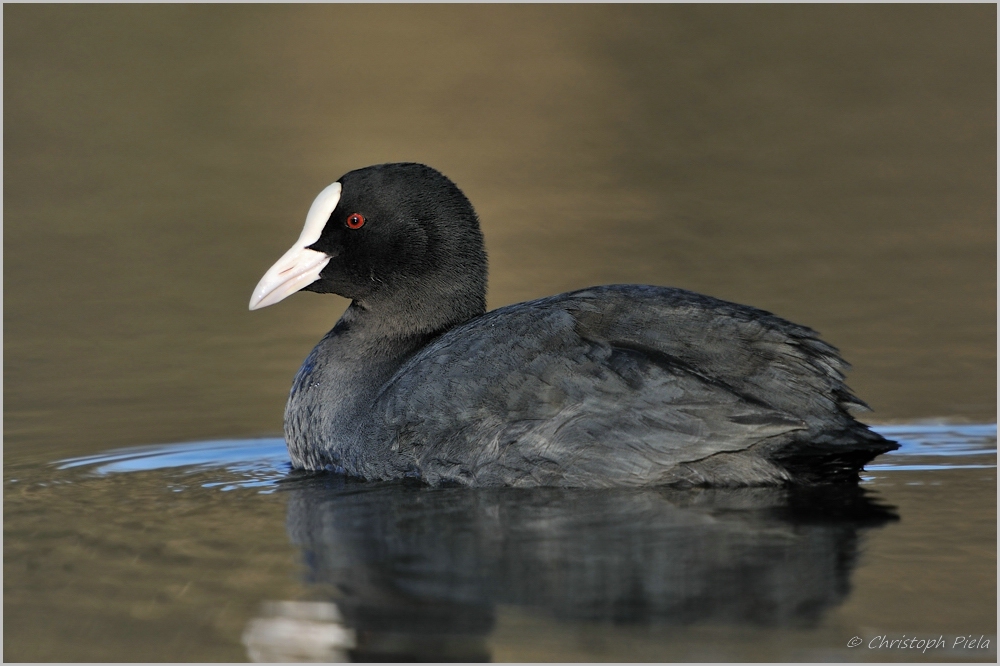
618 385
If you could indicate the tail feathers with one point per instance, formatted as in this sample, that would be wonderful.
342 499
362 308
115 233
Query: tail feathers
832 457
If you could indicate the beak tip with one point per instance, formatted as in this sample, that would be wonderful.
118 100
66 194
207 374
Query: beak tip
298 268
256 299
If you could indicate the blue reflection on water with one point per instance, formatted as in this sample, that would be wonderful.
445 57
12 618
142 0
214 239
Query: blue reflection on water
937 445
263 462
254 462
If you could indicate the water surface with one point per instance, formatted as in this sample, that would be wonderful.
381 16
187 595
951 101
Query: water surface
244 558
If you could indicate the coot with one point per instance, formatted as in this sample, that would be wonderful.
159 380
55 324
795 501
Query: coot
611 386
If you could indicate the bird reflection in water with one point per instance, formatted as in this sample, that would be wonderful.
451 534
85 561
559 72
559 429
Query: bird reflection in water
415 573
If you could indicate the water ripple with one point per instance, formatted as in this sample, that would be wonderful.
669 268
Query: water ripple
264 462
925 447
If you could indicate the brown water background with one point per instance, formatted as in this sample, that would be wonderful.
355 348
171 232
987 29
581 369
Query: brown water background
835 165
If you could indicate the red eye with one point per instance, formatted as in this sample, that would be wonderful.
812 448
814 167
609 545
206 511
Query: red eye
355 221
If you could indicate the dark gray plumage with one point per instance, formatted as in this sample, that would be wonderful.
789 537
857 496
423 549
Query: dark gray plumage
621 385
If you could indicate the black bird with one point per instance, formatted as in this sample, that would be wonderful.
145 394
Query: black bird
618 385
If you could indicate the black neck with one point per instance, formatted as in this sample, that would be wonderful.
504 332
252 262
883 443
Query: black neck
336 387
